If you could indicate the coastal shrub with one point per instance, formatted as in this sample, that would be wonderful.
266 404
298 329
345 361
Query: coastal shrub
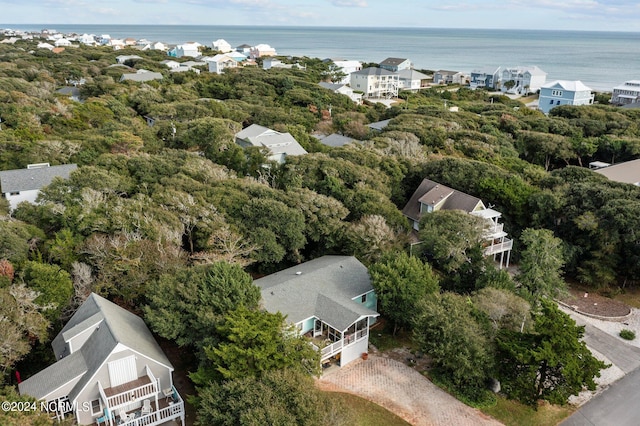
627 334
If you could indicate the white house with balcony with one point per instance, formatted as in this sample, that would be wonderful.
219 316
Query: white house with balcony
563 92
222 46
432 196
375 83
345 66
626 93
330 300
220 62
522 79
110 371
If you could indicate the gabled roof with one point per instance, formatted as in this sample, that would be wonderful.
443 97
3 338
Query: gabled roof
110 326
331 86
431 193
627 172
277 142
393 61
487 71
321 288
142 75
336 140
379 125
33 178
373 71
446 72
412 75
572 86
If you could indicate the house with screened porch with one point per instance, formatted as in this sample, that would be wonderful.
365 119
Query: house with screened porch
109 371
431 196
330 300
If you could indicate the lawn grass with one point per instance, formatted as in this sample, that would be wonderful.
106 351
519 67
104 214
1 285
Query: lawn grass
629 296
366 413
512 413
383 339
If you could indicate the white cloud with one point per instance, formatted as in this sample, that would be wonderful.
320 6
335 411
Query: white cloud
349 3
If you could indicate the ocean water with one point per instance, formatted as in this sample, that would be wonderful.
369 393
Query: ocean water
601 60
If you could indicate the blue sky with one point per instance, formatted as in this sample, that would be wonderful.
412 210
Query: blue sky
602 15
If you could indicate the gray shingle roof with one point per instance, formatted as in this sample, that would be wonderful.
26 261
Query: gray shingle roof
336 140
374 71
322 287
277 142
430 192
627 172
393 61
32 179
116 325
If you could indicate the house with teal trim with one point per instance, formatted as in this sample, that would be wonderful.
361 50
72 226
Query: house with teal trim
330 300
563 92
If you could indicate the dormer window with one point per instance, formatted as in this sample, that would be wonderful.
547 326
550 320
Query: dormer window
426 208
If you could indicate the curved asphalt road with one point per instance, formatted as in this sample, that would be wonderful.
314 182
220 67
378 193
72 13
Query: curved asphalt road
618 405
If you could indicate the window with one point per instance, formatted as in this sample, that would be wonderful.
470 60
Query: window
551 102
363 299
557 102
556 93
96 407
15 193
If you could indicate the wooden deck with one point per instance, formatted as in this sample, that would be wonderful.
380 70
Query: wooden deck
125 387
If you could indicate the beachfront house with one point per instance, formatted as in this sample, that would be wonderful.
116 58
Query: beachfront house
395 64
412 80
330 300
141 76
190 48
221 46
563 92
25 184
261 50
109 371
343 89
220 62
449 77
522 79
626 93
486 78
279 145
375 83
627 172
346 67
431 196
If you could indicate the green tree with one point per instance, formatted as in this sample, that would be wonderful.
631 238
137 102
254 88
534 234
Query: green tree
253 342
188 306
401 282
505 309
446 328
540 266
53 283
23 323
552 363
279 397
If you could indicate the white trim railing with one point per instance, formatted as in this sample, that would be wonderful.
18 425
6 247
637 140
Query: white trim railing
335 347
498 248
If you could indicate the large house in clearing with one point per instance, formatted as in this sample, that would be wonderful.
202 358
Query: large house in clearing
525 79
562 92
375 83
432 196
626 93
110 371
279 144
25 184
330 300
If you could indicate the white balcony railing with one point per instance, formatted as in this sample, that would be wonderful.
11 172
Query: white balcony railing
131 394
334 348
173 411
498 248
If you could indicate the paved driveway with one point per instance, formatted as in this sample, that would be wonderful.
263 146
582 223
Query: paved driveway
403 391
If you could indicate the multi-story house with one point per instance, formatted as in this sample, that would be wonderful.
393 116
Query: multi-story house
488 78
109 371
432 196
395 64
626 93
375 83
330 300
562 92
522 79
279 145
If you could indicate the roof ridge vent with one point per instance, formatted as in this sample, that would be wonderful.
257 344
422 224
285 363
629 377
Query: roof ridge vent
37 166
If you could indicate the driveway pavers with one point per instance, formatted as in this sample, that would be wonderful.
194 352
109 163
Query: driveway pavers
403 391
